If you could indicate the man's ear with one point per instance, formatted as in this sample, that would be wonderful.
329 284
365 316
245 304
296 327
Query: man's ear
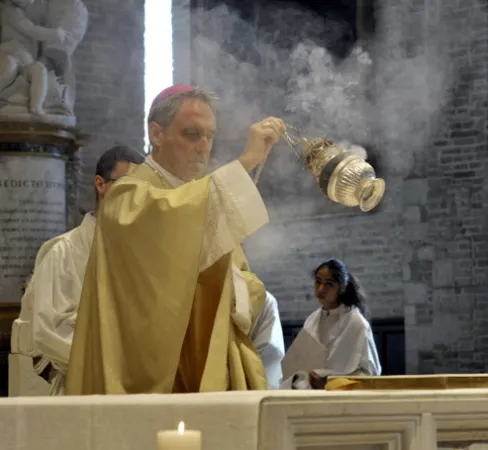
155 134
99 184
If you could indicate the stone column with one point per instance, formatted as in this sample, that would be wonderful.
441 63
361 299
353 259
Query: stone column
182 36
37 174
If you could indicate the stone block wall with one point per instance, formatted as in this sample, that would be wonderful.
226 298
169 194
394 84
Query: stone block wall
424 254
446 214
109 68
287 250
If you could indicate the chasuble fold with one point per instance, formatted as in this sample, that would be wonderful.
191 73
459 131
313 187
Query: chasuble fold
155 310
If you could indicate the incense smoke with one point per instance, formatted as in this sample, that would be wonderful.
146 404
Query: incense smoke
387 94
392 104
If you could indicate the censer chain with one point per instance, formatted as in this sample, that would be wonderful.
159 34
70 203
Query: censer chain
292 142
259 171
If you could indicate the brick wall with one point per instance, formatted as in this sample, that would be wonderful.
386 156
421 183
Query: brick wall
288 249
109 68
446 282
423 255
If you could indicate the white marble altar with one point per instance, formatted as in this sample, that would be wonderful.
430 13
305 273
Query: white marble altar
33 209
278 420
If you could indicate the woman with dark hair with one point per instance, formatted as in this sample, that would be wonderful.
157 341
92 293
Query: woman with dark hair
335 339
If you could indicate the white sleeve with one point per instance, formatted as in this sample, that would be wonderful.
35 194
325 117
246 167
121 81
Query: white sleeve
298 380
57 290
236 210
370 361
363 362
267 336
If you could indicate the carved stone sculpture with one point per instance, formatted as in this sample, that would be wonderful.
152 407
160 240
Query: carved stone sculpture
36 76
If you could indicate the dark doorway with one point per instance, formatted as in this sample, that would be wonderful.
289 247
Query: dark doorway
290 330
389 335
8 313
4 352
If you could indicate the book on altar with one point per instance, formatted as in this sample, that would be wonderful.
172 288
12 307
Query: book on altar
407 382
305 354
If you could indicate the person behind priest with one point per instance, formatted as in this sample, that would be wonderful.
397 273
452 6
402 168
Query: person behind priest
54 290
168 302
267 338
342 335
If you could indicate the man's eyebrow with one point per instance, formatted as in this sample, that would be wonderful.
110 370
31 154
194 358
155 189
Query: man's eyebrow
200 129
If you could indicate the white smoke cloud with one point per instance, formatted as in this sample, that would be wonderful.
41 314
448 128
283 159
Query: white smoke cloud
387 95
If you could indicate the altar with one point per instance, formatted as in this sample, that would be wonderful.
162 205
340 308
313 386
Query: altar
273 420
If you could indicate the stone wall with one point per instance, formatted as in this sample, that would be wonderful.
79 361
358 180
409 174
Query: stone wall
109 68
286 251
423 255
446 206
426 250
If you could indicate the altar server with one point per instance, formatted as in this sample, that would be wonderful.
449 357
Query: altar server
49 306
267 337
336 339
168 302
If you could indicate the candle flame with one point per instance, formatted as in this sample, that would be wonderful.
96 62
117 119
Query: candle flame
181 428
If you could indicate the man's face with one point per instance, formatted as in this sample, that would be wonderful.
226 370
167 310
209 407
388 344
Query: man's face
102 186
183 148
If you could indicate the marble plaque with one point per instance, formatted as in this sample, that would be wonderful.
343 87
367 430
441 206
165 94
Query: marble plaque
32 210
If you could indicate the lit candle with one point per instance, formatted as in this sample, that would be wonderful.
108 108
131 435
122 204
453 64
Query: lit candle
180 439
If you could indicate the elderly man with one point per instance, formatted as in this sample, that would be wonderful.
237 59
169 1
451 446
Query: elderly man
50 303
168 301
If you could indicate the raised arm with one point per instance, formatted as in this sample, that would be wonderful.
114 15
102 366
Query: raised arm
236 209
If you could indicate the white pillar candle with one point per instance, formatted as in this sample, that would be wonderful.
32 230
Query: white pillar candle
180 439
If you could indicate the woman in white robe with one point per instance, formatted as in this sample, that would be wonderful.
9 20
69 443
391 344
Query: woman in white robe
336 339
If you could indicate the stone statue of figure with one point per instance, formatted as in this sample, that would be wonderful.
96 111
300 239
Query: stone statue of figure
36 75
19 51
70 15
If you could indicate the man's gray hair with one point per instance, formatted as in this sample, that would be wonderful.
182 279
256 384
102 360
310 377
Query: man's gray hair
164 111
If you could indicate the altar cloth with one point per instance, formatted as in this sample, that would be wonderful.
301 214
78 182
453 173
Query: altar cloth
128 422
256 420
